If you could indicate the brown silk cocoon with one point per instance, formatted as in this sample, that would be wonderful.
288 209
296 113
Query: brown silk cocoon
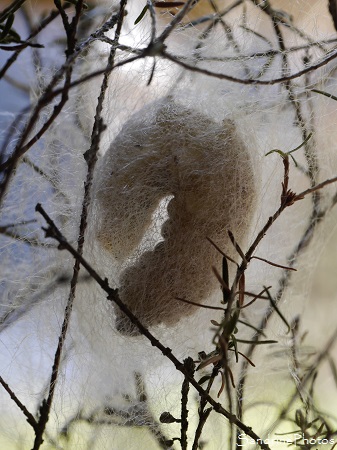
164 150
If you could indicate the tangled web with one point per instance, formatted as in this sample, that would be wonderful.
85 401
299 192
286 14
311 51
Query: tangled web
182 154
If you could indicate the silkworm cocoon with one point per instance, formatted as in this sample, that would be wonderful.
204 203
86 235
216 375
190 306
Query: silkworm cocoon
167 149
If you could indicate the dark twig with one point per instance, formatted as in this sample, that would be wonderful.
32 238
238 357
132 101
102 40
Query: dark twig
316 188
251 81
91 158
20 46
273 264
56 92
310 155
189 365
287 199
34 33
25 302
203 411
160 51
189 4
53 232
153 20
11 9
200 305
212 17
21 148
283 283
30 418
18 224
70 29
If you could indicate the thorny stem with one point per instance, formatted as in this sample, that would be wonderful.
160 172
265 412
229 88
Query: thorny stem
312 173
283 283
70 29
204 413
91 158
203 417
287 199
226 371
53 232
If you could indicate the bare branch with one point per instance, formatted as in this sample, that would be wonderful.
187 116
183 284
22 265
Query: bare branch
53 231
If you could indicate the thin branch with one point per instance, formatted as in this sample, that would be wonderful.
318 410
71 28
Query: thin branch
304 241
20 46
217 308
203 411
274 264
91 158
250 81
189 4
211 17
315 188
53 231
158 50
30 418
153 20
34 33
11 9
25 302
189 365
71 29
21 148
